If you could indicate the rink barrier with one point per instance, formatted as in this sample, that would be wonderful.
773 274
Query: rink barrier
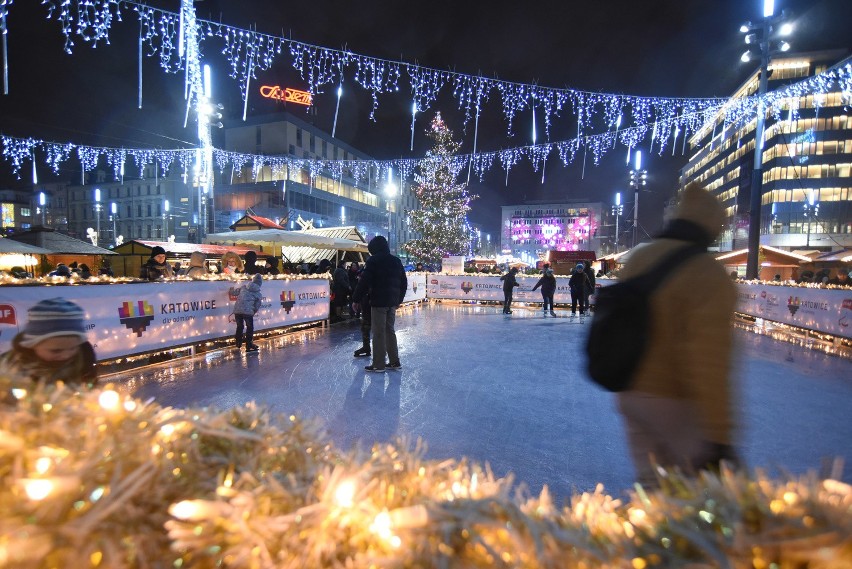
129 319
823 310
137 318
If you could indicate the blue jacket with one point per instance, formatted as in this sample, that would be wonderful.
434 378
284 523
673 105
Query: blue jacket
383 276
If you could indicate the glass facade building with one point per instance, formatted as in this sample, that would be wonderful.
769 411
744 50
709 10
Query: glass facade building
806 167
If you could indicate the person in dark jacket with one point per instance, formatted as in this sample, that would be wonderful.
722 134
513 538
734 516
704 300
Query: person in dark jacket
341 290
156 267
366 325
61 270
84 271
246 306
509 284
590 286
251 267
384 280
547 282
272 266
52 347
579 284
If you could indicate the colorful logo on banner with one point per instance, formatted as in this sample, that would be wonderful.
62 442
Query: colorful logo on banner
286 94
467 286
7 314
793 305
845 313
288 300
233 293
136 315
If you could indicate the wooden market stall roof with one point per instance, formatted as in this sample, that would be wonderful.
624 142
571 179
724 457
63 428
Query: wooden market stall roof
180 250
250 222
57 243
772 257
348 240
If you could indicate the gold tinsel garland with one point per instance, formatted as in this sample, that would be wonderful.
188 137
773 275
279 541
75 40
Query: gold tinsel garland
99 479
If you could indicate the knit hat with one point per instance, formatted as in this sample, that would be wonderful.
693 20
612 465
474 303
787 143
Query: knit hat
157 250
257 279
50 318
702 208
581 267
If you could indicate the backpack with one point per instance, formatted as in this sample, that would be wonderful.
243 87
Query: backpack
619 332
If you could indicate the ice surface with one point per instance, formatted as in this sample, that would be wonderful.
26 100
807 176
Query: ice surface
507 390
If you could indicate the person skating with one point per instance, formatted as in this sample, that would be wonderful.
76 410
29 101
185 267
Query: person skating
547 282
579 284
509 284
246 306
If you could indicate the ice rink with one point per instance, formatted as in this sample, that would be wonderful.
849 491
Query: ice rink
507 390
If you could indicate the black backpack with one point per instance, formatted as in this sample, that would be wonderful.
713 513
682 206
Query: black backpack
622 321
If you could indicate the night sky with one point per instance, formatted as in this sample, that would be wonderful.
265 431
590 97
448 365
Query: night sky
665 48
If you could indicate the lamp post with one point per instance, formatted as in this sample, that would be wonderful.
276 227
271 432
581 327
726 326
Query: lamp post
390 193
616 211
811 211
98 214
113 208
638 178
166 219
209 115
42 202
760 36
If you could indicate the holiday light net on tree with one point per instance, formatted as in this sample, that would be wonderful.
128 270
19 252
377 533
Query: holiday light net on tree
98 479
441 220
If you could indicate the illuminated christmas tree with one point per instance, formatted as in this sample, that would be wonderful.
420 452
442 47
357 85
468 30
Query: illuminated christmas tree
441 220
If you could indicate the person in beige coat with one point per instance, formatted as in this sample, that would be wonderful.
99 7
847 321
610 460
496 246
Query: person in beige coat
679 409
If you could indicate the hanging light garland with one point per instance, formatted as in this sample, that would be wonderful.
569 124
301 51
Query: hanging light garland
248 50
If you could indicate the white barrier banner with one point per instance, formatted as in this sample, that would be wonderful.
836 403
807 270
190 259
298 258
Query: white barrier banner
416 287
490 287
124 319
824 310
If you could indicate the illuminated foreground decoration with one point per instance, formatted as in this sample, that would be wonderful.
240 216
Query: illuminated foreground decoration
98 479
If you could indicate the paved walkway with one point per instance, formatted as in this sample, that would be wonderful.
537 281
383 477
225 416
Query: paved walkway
509 390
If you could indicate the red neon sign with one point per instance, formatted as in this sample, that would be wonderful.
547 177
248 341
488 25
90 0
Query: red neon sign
287 94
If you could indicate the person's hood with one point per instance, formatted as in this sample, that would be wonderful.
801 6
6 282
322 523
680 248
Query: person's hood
251 256
257 279
700 207
196 259
378 244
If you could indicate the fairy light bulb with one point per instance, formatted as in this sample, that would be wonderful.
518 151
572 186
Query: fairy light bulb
344 495
109 400
38 489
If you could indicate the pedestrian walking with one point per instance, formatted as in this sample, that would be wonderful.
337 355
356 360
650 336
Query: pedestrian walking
509 284
579 283
246 306
678 411
383 278
547 282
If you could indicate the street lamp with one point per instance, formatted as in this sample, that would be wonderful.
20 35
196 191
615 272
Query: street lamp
42 202
638 178
209 115
390 193
113 209
98 214
616 211
811 211
166 220
760 37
